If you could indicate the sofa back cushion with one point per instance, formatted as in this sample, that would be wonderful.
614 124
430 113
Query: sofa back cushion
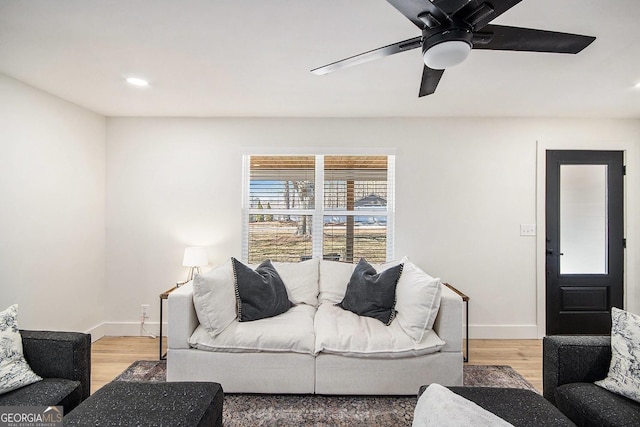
214 298
301 280
260 293
417 300
372 294
214 295
417 293
334 277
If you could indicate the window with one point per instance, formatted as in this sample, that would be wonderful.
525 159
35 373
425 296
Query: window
339 207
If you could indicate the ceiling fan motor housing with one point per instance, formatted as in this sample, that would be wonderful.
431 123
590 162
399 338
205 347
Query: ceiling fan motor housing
444 49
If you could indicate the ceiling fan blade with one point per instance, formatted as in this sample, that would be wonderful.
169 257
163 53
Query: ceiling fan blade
531 40
392 49
430 15
496 8
430 80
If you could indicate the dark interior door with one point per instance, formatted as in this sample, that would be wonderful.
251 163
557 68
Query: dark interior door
585 240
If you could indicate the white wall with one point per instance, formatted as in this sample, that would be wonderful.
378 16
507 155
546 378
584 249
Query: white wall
52 209
463 188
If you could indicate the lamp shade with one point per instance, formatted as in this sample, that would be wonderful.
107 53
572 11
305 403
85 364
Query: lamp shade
195 257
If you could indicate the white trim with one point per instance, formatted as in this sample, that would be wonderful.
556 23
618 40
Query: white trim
257 211
503 332
96 332
631 218
244 210
129 329
391 206
363 212
317 238
325 151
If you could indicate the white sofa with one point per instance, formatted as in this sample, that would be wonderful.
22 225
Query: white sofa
302 351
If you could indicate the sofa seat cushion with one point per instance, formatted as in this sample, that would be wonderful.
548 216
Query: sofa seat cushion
586 404
291 331
342 332
48 392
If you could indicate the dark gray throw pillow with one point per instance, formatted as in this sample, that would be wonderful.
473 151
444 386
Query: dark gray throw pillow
372 294
260 293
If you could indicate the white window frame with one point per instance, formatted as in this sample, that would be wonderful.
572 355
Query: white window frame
318 211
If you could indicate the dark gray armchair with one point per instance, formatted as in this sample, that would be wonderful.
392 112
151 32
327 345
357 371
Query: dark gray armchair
63 360
570 366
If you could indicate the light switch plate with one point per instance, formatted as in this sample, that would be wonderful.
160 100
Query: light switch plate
527 229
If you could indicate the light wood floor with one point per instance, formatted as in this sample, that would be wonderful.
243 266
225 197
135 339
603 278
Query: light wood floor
112 355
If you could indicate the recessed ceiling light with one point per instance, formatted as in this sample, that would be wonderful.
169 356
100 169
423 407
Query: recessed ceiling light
637 86
137 81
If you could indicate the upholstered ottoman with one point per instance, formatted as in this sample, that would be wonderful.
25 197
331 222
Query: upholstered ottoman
520 407
122 403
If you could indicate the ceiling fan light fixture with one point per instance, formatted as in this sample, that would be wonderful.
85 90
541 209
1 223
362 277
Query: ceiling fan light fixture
446 54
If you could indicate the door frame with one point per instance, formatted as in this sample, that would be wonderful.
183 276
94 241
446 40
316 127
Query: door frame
631 218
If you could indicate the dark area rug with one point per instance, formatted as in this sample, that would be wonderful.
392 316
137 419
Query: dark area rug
312 410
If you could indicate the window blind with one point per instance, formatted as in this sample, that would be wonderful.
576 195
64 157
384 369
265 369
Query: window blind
336 206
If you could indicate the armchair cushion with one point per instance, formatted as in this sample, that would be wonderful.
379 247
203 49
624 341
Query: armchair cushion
586 404
48 392
573 359
15 372
54 354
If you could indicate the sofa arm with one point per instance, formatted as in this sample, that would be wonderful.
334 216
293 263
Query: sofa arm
182 317
59 355
448 324
573 359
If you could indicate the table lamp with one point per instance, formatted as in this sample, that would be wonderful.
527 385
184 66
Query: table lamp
194 258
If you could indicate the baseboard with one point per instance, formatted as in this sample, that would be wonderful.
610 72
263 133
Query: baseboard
131 329
96 332
503 332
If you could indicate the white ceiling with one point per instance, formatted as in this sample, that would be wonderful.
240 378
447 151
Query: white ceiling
252 58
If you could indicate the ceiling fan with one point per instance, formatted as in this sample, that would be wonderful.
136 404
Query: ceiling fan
451 28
